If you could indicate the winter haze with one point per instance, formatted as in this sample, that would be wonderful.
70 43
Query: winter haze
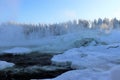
59 39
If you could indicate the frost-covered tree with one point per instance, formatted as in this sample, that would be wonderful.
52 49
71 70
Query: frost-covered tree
106 21
115 23
94 24
100 21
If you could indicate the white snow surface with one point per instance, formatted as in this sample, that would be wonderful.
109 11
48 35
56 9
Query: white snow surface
4 64
88 74
100 57
91 62
83 75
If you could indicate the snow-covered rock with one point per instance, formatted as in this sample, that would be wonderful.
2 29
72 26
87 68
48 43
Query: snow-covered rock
88 74
17 50
98 57
83 75
4 64
96 62
88 42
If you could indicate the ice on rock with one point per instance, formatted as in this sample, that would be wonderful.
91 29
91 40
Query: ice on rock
17 50
4 64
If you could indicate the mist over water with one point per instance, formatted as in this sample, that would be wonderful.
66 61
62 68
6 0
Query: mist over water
15 31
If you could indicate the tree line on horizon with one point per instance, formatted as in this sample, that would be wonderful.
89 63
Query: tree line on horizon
41 30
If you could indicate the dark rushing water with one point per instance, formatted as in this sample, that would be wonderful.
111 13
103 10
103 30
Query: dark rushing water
24 67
